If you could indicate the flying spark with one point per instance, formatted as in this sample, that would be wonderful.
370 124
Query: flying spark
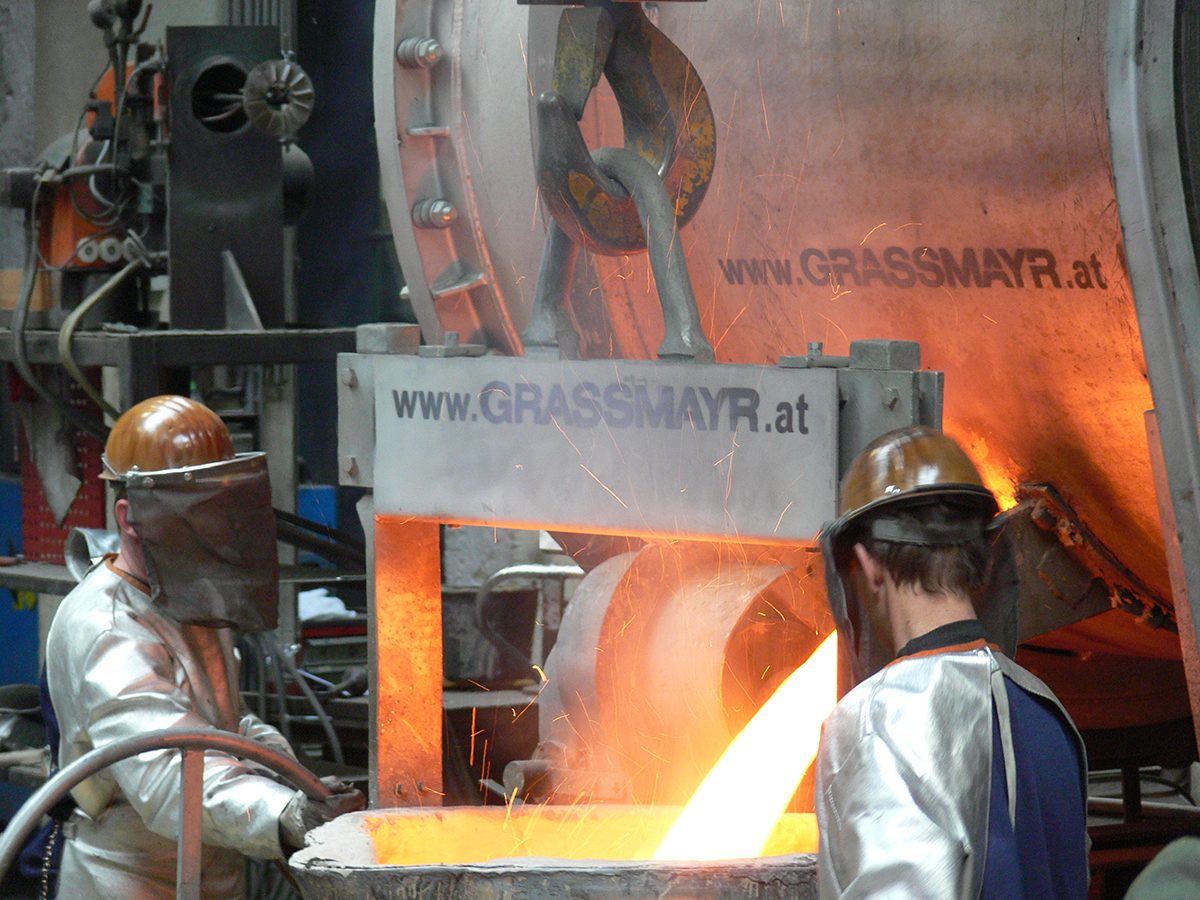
610 491
871 232
782 514
728 327
762 99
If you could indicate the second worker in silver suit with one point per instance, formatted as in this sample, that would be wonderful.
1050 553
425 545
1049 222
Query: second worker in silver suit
145 642
949 770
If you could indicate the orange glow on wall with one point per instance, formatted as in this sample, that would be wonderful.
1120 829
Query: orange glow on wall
1001 484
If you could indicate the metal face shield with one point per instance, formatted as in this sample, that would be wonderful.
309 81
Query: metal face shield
208 536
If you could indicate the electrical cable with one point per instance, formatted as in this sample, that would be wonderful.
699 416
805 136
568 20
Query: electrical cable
350 556
88 169
352 544
138 70
260 672
71 154
20 360
67 333
82 115
111 170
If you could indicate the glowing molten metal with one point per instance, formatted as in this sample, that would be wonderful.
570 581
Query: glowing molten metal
736 807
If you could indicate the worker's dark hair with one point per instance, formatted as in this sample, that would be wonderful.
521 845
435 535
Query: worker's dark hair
937 568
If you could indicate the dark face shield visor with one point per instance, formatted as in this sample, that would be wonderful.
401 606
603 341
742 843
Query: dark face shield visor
208 537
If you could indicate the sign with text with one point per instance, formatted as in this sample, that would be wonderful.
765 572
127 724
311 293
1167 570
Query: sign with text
608 446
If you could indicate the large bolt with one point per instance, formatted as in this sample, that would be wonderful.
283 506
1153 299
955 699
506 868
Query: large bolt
349 465
349 377
419 52
434 213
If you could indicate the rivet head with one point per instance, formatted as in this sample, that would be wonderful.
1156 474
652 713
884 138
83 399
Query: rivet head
349 377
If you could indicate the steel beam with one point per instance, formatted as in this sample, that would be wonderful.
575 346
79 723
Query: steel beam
405 662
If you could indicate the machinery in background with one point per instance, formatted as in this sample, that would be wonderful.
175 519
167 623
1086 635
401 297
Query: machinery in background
183 165
155 245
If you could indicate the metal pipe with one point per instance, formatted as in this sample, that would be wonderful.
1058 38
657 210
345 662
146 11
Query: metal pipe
54 790
335 745
187 859
509 573
280 693
1149 809
260 671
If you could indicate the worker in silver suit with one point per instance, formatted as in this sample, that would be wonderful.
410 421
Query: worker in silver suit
146 642
948 770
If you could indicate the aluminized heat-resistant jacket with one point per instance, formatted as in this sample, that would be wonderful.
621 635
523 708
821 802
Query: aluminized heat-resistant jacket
118 667
904 776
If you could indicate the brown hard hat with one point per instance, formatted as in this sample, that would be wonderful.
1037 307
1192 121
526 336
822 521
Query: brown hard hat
907 466
165 432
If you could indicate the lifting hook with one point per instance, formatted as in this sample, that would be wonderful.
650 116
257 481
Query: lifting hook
621 200
665 111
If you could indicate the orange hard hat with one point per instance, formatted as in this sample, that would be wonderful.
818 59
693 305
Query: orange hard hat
165 432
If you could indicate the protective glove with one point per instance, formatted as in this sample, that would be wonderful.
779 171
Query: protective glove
303 814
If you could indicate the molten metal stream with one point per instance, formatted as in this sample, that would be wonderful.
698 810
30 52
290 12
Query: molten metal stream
738 804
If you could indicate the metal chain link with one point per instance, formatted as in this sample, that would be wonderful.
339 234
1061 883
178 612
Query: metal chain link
48 859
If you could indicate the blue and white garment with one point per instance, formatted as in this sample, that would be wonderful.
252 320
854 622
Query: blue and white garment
952 772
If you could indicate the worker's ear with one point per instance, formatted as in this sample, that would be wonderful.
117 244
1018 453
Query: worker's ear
121 512
872 568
